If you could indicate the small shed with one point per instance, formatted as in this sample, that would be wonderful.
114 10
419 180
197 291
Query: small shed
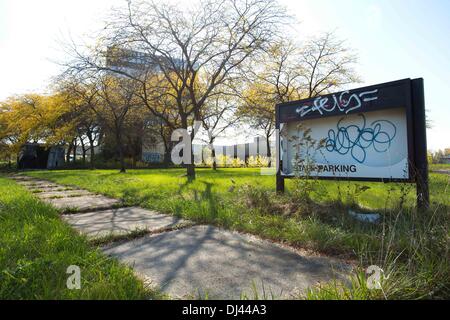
445 159
37 156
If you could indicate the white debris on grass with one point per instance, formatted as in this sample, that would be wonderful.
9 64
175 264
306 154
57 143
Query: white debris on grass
365 217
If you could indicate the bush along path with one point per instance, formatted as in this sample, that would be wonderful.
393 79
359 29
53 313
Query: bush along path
183 259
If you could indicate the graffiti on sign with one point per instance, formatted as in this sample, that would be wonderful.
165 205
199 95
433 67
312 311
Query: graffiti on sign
344 102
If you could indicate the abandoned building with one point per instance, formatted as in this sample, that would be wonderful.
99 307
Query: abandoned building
39 156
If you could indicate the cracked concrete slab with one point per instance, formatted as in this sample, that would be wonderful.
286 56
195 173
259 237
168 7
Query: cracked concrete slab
36 183
63 194
22 178
121 221
31 181
205 260
83 203
44 187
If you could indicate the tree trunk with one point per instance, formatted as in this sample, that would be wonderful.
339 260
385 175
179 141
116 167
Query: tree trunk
166 159
83 150
121 155
213 154
69 151
92 162
74 151
269 153
122 160
190 167
100 137
91 143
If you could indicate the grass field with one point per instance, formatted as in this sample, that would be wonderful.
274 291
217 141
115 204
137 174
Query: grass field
440 167
411 245
36 248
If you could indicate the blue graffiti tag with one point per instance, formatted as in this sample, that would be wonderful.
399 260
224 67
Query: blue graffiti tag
357 139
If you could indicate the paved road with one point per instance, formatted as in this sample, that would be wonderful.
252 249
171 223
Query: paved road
187 260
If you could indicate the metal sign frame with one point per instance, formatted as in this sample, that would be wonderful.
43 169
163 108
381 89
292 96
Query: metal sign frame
406 93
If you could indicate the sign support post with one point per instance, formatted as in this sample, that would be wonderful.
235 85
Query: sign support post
420 144
280 183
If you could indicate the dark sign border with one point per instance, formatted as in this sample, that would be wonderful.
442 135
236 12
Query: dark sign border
406 93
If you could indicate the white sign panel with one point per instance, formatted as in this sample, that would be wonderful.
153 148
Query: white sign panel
359 145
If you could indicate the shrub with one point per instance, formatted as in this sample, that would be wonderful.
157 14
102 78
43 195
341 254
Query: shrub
257 161
258 197
237 163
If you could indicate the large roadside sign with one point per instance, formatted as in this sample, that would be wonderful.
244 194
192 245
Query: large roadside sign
374 133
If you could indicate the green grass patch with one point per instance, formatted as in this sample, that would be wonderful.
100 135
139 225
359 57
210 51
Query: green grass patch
37 247
440 166
216 198
411 246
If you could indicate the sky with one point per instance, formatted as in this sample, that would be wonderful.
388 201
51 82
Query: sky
394 39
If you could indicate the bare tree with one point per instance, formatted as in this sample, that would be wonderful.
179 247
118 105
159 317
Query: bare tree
260 115
117 97
195 50
218 115
88 128
326 64
288 72
271 80
82 95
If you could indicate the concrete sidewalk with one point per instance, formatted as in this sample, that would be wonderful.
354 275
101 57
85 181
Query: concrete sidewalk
205 261
122 221
187 260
